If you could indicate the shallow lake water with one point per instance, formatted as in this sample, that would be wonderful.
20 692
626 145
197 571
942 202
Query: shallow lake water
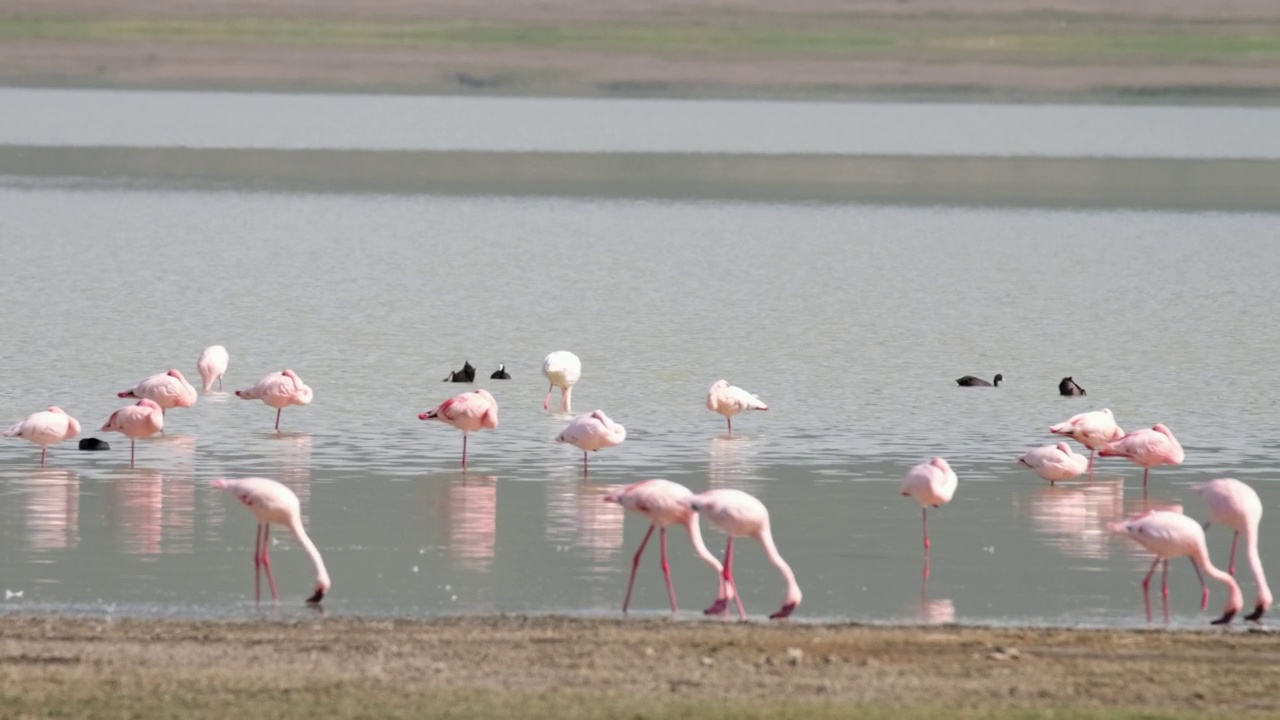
851 321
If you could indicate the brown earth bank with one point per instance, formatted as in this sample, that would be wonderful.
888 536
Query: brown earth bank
1092 50
579 668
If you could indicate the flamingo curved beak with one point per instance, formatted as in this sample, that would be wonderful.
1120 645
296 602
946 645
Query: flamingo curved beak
315 599
1225 619
1256 615
784 611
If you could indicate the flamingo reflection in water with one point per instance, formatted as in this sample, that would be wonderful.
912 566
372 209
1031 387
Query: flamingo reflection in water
467 512
51 504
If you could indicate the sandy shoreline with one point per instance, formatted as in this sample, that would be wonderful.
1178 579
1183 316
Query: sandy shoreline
539 666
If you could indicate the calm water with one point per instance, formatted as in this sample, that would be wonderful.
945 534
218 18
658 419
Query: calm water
851 321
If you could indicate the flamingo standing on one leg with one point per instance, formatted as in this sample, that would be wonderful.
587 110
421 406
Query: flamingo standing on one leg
592 432
1055 462
1172 535
272 502
1237 506
279 390
140 420
46 428
1147 449
665 503
469 412
738 514
168 390
931 483
729 400
562 369
1091 429
212 366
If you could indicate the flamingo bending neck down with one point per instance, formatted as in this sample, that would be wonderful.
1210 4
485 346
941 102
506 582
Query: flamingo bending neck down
562 369
469 412
1236 505
212 365
592 432
140 420
272 502
738 514
729 400
1091 429
45 428
931 484
664 503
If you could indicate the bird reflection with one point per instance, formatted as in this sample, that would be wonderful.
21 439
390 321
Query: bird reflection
468 521
932 612
294 462
155 515
731 462
1075 517
52 505
577 515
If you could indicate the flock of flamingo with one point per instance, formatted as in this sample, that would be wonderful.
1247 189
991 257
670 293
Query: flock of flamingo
1167 533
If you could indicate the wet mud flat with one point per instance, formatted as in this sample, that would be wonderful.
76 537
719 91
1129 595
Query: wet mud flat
583 668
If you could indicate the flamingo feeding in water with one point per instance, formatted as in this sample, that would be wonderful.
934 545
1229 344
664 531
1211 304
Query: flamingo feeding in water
729 400
168 390
931 483
212 365
592 432
1236 505
1172 535
469 412
45 428
1055 462
279 390
1147 449
140 420
1091 429
738 514
562 369
664 503
272 502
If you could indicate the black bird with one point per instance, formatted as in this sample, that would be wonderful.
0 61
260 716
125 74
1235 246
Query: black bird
971 381
94 444
1069 387
501 373
466 374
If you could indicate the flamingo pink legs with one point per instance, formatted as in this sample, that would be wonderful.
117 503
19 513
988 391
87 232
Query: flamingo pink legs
1231 564
924 523
464 450
722 604
261 561
666 568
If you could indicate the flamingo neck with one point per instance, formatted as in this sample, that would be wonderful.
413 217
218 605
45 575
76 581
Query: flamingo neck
1255 563
695 536
771 551
1235 600
322 575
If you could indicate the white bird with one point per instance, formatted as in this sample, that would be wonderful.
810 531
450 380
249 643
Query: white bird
46 428
562 369
729 400
212 366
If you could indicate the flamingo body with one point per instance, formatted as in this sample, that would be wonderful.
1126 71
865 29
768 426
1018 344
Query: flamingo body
45 428
1236 505
1091 429
729 400
931 484
272 502
140 420
562 369
168 390
279 390
1055 462
1146 449
212 365
592 432
469 412
738 514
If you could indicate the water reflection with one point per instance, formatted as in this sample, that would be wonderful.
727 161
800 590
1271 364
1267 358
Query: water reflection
1074 517
731 461
577 515
52 508
941 611
467 511
153 515
294 465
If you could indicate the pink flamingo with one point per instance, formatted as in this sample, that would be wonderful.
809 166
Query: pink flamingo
1055 462
592 432
664 503
562 369
279 390
738 514
729 400
168 390
140 420
1172 535
1091 429
1237 506
212 366
469 412
272 502
46 428
931 483
1147 449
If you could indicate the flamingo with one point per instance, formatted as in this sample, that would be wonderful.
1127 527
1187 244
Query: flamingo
272 502
212 366
931 483
1237 506
562 369
1147 449
469 412
45 428
279 390
592 432
1055 462
738 514
142 419
168 390
664 503
1091 429
1172 535
729 400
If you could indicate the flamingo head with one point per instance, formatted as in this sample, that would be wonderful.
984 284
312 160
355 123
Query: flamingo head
322 587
